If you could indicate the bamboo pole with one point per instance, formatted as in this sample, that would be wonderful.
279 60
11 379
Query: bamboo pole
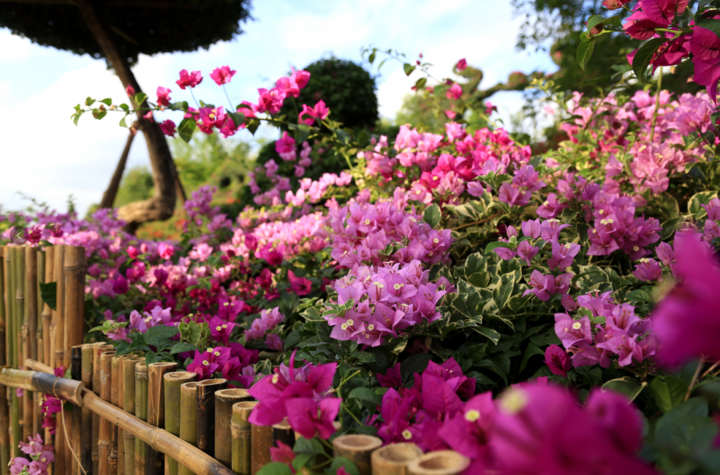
442 462
358 449
129 407
393 459
95 450
141 410
224 400
86 431
241 450
261 439
155 462
188 423
74 298
15 408
172 382
39 335
114 455
120 443
4 410
30 350
60 307
76 374
47 313
282 432
205 399
61 388
161 440
106 428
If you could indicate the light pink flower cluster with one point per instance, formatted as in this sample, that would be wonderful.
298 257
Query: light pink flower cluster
268 320
313 190
41 456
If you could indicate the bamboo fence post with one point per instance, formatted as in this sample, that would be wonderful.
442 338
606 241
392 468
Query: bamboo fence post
162 441
358 449
59 307
154 461
86 431
76 374
141 410
74 299
282 432
173 414
39 335
30 350
16 317
205 399
4 413
129 407
188 423
21 327
94 451
106 428
261 439
224 400
114 456
241 452
47 312
393 459
442 462
120 443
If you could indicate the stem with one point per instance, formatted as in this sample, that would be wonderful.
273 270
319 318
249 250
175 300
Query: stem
351 414
710 370
695 378
347 379
478 222
657 105
232 109
193 96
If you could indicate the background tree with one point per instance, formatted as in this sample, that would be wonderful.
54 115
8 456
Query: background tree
120 30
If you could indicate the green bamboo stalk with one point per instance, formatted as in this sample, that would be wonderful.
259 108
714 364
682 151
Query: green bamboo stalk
205 400
241 447
188 422
129 406
95 455
173 413
86 369
154 460
16 407
29 336
40 260
141 412
224 400
4 414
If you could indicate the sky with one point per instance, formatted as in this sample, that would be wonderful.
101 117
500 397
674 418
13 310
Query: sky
45 156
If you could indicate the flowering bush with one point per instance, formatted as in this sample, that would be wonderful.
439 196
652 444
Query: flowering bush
549 314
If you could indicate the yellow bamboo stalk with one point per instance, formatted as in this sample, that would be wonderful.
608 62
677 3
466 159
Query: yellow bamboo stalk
4 410
106 428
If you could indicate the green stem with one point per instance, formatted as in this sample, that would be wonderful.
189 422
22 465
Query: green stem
344 406
657 105
232 109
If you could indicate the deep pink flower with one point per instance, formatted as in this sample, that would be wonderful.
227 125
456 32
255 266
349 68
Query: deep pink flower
648 270
469 431
274 257
299 285
285 147
270 101
461 65
562 255
220 330
454 92
705 47
33 446
557 360
189 80
527 251
222 75
202 365
319 112
129 90
283 453
168 127
300 78
165 250
132 252
274 342
163 96
307 417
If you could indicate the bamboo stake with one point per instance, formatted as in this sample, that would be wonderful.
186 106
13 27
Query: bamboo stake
129 406
4 413
442 462
161 440
282 432
15 409
141 410
261 439
393 459
95 450
155 462
60 307
86 369
120 443
172 382
358 449
40 273
205 399
47 313
61 388
188 423
241 453
114 454
224 400
106 428
74 299
76 374
30 350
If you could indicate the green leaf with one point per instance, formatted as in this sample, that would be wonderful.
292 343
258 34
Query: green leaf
48 292
495 245
301 460
697 199
408 68
710 24
238 118
139 98
107 102
627 385
122 122
365 394
585 50
531 350
414 364
420 83
638 296
594 21
186 129
668 392
432 215
89 101
348 464
182 347
644 55
253 125
371 58
504 289
479 279
308 446
159 335
302 131
275 468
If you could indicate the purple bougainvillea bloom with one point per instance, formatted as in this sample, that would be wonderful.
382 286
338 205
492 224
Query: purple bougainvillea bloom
308 417
557 360
562 255
392 378
531 228
619 419
222 75
189 79
572 331
220 330
202 366
705 47
299 285
686 321
283 453
274 257
274 342
469 431
648 270
527 251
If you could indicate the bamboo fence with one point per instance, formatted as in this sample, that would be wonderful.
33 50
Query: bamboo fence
129 418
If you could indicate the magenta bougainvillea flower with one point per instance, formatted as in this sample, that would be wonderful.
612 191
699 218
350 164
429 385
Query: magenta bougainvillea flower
557 360
189 79
163 96
309 417
222 75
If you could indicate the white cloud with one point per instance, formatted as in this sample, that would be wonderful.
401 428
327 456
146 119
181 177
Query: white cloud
13 47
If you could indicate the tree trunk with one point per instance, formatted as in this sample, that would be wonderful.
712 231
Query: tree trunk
162 205
108 198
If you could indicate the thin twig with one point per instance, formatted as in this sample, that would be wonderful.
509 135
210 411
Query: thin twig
710 370
478 222
694 379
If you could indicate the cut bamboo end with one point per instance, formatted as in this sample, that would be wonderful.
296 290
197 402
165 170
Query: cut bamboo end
154 461
172 382
282 432
188 422
358 449
205 400
106 428
443 462
240 432
224 400
394 459
141 412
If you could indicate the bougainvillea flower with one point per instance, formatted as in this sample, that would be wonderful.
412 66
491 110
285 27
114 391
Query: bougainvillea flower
461 65
454 92
299 285
163 96
308 417
273 256
283 453
557 360
705 47
319 112
165 251
189 79
202 365
469 431
222 75
220 330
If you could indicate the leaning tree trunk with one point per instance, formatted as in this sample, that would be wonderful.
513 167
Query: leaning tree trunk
162 204
108 198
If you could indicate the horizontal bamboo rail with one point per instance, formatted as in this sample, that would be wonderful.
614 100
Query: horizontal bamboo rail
160 440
